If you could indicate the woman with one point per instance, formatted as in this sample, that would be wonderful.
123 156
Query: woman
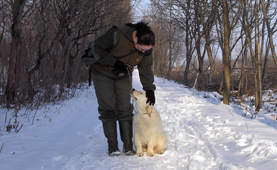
115 54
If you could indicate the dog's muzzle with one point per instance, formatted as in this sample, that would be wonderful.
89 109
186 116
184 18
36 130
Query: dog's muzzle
132 91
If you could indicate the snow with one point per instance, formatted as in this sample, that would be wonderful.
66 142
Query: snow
203 133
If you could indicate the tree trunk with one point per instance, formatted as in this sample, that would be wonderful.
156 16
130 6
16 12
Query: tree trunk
253 55
269 32
198 45
259 77
11 88
200 73
226 54
170 64
242 75
211 61
187 44
69 71
265 65
258 63
186 73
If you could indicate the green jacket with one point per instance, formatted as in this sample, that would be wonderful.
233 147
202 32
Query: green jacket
114 44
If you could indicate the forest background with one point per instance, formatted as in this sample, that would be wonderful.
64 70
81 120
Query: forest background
214 45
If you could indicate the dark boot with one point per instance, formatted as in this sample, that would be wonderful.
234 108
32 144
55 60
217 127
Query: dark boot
110 133
126 133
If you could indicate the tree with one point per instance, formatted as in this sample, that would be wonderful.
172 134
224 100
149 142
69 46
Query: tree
47 40
17 7
226 54
208 22
269 29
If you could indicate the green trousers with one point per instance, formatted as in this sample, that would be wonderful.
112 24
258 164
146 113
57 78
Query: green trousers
113 96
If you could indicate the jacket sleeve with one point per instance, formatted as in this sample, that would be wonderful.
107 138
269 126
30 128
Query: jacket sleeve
102 45
146 74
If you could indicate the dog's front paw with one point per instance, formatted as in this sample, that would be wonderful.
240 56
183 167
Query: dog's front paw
160 151
140 154
150 154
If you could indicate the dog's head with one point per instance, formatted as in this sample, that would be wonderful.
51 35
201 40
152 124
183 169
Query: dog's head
140 102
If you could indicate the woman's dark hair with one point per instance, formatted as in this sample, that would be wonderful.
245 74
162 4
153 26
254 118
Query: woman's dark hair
144 33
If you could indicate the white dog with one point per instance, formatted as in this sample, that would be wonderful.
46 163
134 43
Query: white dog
148 131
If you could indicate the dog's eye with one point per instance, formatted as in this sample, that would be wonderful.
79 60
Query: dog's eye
141 93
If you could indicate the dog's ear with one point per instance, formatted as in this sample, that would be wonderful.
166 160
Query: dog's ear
148 108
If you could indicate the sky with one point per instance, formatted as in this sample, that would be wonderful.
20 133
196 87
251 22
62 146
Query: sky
139 9
203 134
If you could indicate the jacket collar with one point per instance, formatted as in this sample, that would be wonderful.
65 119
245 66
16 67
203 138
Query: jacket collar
129 34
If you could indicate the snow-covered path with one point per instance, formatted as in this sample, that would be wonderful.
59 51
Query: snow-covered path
203 133
206 134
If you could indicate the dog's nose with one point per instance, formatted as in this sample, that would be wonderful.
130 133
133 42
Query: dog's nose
133 89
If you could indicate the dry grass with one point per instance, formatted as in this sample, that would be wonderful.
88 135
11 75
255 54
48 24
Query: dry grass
248 88
269 104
